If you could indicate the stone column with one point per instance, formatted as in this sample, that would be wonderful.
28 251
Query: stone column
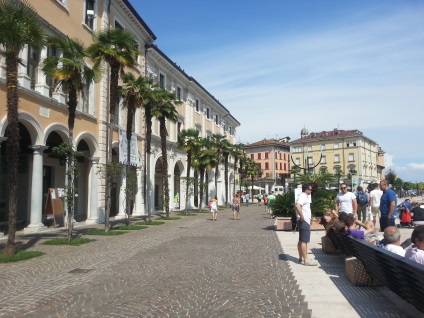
41 85
139 204
93 211
121 201
36 224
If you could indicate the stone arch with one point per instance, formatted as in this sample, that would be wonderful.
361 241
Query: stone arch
158 184
31 124
91 141
61 129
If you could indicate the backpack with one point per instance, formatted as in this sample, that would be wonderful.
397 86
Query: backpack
406 216
265 200
362 198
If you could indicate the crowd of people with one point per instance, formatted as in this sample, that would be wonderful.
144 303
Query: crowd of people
356 216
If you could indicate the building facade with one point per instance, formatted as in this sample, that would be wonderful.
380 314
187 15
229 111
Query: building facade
43 116
273 158
339 150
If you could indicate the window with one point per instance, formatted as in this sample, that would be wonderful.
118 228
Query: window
259 166
281 166
266 165
322 146
162 81
208 113
310 161
179 93
351 157
199 129
86 97
309 148
252 156
118 25
217 119
197 106
266 155
50 81
297 149
336 158
89 13
179 125
336 145
259 156
230 130
297 161
351 144
323 159
32 65
225 127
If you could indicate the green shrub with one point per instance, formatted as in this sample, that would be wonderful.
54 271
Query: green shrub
150 223
129 227
323 201
103 232
283 205
64 241
19 256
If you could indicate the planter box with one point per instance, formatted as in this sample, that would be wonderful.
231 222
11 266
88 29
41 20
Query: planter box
284 224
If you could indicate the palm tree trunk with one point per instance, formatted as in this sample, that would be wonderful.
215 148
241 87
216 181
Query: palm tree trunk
148 123
165 179
216 179
188 178
113 100
130 119
202 177
72 105
226 178
12 148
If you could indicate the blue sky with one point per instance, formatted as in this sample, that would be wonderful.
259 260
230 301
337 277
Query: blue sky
279 66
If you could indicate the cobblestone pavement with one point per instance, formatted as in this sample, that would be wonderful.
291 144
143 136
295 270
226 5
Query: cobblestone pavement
192 267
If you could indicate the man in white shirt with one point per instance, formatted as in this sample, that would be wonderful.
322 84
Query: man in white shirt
303 215
346 201
375 196
392 240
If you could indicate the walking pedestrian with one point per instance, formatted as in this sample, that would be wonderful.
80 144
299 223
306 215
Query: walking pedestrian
235 204
303 215
375 196
247 197
271 197
213 204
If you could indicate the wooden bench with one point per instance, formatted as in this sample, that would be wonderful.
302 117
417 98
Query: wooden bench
399 274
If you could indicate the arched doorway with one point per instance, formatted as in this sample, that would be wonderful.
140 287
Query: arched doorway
24 164
81 202
177 186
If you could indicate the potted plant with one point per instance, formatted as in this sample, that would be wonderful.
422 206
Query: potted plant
322 201
283 209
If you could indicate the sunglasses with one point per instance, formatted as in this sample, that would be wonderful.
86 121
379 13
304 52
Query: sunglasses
342 188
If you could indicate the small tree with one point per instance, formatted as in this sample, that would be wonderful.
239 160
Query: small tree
188 185
111 173
130 190
66 150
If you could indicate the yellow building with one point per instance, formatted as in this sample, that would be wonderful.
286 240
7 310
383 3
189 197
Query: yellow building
339 150
43 116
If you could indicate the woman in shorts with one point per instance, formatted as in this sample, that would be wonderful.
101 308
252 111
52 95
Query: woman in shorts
213 204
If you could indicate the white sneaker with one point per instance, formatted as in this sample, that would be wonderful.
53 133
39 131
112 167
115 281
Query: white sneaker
310 263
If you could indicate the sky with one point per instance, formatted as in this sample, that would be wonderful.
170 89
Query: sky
279 66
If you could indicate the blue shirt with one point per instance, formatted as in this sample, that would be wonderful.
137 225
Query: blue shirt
388 196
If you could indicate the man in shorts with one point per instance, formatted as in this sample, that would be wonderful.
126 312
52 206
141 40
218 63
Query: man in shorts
303 215
375 196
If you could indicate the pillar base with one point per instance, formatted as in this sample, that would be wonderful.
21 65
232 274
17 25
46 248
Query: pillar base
138 213
92 221
34 228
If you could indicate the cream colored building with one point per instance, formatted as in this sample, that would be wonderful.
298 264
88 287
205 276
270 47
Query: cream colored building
43 117
342 150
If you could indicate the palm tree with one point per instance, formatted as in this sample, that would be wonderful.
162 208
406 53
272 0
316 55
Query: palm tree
19 25
243 162
219 143
204 160
226 151
119 49
188 139
237 153
135 93
164 109
252 170
73 74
